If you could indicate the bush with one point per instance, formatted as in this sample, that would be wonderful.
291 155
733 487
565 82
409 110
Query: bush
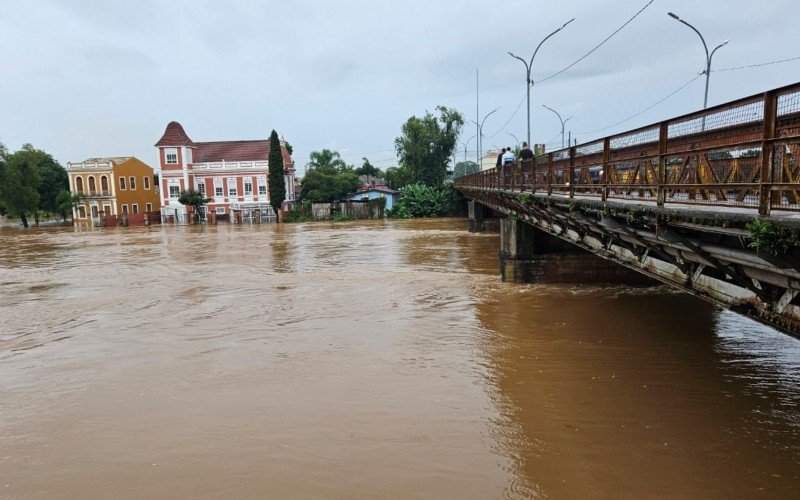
420 200
301 213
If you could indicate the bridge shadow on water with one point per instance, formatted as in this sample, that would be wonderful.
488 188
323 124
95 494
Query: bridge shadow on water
625 392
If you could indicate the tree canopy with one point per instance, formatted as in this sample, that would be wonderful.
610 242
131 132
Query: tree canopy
19 182
465 168
426 145
327 178
277 188
368 168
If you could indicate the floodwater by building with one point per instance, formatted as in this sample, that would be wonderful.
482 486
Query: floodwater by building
379 359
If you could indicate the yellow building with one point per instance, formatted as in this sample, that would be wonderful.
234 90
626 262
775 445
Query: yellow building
112 186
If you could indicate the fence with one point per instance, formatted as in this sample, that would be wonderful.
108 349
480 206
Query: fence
349 209
742 153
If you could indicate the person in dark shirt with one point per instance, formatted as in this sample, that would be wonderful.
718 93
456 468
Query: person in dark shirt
500 157
525 153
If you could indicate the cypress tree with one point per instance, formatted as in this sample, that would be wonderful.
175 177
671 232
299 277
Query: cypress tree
277 188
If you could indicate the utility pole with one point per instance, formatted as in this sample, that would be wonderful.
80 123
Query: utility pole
477 117
528 68
480 134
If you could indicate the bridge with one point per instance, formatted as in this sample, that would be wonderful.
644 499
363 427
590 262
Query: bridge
707 202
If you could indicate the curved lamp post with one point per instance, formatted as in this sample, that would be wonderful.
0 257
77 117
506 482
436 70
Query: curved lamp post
708 55
563 121
528 67
480 134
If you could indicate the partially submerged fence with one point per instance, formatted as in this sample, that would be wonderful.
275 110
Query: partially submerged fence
742 153
347 209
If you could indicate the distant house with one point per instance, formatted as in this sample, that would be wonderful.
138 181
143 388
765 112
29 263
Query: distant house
373 189
112 186
234 174
489 160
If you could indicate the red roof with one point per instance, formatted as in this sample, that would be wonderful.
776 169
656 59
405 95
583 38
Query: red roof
174 135
208 152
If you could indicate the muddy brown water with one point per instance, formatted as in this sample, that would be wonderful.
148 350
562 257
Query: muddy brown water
370 360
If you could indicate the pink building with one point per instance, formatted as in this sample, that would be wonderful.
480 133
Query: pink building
234 174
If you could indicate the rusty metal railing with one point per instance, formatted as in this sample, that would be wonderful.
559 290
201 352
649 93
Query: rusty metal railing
744 153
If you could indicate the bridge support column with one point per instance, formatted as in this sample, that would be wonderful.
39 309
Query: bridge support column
530 255
482 219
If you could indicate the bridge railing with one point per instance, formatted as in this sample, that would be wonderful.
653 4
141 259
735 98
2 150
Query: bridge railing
744 153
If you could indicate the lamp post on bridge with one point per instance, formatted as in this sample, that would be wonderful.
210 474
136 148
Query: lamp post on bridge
467 144
563 121
708 55
528 68
515 139
480 135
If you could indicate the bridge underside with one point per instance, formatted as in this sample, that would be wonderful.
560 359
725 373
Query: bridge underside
704 255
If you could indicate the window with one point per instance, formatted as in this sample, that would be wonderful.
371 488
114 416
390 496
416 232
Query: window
218 191
135 208
92 185
79 189
171 155
122 183
262 190
174 191
149 207
81 210
232 187
132 184
219 210
94 211
107 209
104 185
201 188
147 182
124 209
248 188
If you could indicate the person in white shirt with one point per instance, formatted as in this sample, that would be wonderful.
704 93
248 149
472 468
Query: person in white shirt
508 156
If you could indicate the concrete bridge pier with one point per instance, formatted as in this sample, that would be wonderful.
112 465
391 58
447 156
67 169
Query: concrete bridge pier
530 255
482 219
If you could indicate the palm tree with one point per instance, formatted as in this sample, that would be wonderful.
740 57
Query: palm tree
67 203
327 161
193 199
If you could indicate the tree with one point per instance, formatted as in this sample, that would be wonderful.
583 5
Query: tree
193 199
19 180
53 179
328 178
426 145
289 148
465 168
368 168
277 188
397 177
326 161
67 202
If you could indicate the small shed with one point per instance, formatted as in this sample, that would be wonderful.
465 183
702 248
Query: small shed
375 192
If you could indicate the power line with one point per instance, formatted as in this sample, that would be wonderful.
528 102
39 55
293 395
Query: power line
502 129
609 37
757 65
648 108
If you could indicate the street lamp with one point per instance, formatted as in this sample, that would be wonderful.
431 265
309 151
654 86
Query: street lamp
515 139
708 56
467 144
480 134
563 121
528 67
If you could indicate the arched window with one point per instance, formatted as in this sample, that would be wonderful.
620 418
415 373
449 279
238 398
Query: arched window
104 184
92 185
79 185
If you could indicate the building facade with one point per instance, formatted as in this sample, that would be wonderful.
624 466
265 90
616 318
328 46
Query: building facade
234 174
112 186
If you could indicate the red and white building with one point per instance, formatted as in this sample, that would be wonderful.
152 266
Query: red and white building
234 174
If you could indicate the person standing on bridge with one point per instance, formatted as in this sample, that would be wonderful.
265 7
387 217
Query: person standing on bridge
500 157
525 153
508 156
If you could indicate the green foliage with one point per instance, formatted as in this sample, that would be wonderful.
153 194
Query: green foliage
397 177
426 145
338 216
192 198
766 237
327 178
277 188
525 199
53 178
465 168
368 168
421 200
19 182
289 148
66 201
377 204
301 213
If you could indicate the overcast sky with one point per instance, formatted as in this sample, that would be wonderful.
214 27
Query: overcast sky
85 78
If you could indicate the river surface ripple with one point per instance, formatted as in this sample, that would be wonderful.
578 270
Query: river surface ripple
381 359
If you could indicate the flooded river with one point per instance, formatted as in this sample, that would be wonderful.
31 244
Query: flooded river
370 360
